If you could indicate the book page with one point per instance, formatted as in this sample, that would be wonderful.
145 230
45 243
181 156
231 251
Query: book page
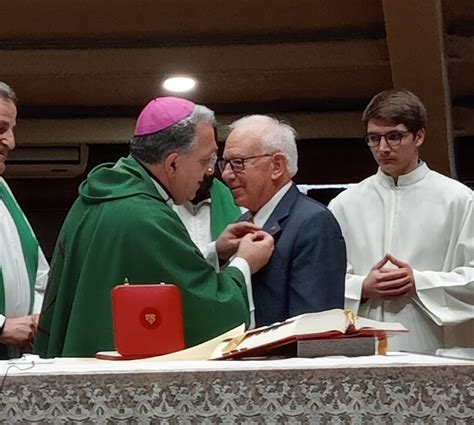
322 322
202 351
363 323
198 352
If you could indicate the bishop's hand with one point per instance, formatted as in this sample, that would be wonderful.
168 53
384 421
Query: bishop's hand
256 248
229 241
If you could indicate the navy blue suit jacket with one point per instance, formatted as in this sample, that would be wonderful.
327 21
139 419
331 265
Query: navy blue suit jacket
306 272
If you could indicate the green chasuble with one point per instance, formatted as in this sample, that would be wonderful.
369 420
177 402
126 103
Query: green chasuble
121 228
223 208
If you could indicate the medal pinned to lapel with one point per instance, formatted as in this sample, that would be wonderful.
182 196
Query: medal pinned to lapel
274 229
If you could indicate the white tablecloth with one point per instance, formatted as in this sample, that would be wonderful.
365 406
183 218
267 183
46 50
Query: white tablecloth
31 364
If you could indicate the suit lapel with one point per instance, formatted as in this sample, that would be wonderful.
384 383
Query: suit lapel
246 217
275 222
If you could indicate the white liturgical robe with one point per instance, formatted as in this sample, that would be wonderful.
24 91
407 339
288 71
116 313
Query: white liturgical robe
197 220
13 270
427 221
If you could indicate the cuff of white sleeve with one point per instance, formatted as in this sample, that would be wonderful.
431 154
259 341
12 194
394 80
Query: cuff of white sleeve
244 267
353 292
37 303
211 256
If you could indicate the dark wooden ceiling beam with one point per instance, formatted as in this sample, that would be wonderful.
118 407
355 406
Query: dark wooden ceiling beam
415 40
233 74
56 19
353 54
309 125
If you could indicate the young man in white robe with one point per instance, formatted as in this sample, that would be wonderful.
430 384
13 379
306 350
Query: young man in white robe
23 267
409 233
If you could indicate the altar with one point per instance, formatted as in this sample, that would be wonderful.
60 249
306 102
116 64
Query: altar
397 388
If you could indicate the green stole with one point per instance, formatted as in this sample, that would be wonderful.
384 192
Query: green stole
29 244
223 208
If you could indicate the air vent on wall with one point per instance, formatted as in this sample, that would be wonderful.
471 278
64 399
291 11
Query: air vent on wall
57 161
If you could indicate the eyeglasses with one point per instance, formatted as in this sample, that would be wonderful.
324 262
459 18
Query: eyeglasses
237 164
393 138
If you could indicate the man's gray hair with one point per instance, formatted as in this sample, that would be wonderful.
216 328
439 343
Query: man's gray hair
6 92
277 136
180 138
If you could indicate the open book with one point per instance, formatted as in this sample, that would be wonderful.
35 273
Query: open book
326 325
330 325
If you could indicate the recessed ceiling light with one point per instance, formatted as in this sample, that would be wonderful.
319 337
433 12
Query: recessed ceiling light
179 84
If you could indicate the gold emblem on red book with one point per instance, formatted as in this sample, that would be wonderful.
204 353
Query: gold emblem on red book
150 318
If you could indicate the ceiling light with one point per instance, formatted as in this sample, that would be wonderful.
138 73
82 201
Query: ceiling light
179 84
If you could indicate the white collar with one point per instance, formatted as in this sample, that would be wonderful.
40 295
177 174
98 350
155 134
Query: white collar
419 173
164 194
193 209
264 213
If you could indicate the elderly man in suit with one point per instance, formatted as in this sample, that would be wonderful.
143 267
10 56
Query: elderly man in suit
307 270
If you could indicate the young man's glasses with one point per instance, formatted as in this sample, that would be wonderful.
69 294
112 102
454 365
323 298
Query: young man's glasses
393 138
237 164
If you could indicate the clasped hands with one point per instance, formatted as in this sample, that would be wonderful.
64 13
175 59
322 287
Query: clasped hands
386 283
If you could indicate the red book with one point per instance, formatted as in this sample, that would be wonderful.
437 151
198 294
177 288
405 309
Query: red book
148 320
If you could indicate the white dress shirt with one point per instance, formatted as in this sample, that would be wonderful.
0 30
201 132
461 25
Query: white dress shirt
264 213
197 220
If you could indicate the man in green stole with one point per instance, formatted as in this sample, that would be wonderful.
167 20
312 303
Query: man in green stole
23 267
123 226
